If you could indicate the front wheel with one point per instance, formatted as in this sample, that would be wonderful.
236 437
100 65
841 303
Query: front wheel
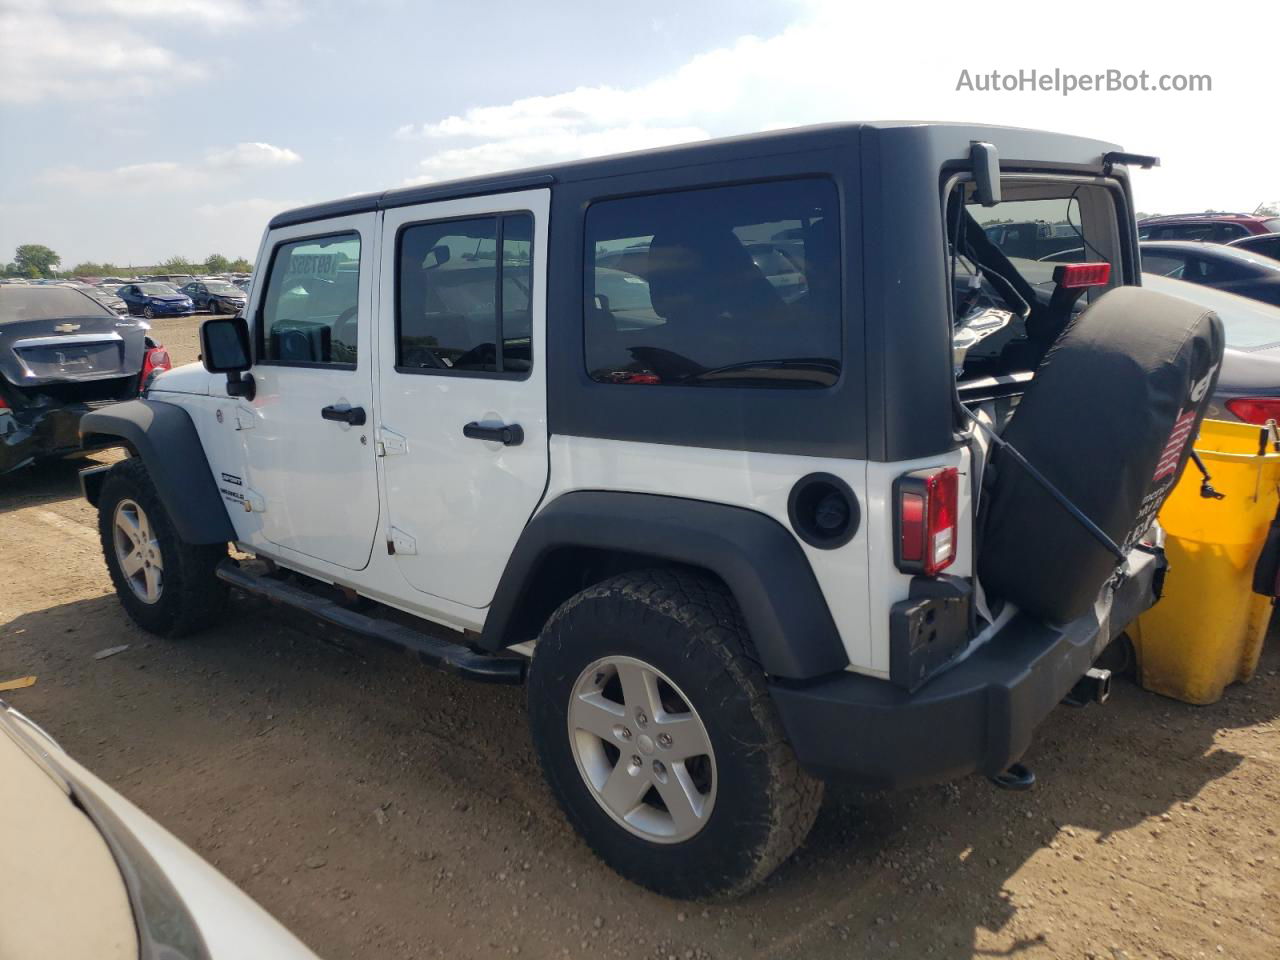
656 733
168 587
148 312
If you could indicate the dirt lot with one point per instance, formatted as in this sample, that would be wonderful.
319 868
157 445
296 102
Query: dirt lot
382 810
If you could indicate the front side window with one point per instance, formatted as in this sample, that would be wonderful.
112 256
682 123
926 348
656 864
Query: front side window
464 296
309 310
724 286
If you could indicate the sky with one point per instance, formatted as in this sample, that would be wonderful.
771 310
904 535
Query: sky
136 130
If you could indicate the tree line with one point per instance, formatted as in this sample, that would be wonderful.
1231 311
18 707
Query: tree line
35 261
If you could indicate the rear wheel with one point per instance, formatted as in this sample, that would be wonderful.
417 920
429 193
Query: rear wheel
657 735
167 587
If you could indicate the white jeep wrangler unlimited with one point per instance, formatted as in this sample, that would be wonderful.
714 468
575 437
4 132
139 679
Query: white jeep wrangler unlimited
713 447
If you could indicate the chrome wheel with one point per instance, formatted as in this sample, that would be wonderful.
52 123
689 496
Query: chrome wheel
642 749
137 551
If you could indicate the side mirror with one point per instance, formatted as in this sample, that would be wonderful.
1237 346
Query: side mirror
441 254
224 348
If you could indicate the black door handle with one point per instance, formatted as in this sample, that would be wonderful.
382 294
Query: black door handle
510 435
351 415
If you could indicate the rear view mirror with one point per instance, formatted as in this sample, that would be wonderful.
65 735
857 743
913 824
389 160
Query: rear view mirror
224 345
224 348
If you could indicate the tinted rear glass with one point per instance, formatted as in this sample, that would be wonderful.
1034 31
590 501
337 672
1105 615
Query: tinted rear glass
726 286
45 303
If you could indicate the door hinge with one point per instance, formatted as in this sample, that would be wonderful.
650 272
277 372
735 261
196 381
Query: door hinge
400 543
391 444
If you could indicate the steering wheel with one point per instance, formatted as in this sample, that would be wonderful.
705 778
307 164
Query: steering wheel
346 327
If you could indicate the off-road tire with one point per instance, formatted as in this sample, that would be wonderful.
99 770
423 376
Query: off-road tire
688 626
192 597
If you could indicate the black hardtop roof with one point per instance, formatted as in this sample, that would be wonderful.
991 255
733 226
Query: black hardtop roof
948 139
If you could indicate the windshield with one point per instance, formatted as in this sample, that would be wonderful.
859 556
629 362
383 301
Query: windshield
45 303
224 288
158 289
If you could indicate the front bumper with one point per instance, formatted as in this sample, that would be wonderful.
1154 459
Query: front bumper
978 716
172 309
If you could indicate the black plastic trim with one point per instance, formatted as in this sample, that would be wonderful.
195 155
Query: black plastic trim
444 654
800 523
163 435
758 559
978 716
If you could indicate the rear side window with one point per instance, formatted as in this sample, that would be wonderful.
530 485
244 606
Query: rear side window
309 310
726 286
464 296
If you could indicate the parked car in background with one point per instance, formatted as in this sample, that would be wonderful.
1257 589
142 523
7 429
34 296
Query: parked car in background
99 878
1266 244
1032 240
216 296
108 299
244 283
174 279
1206 227
62 354
1213 265
1249 386
153 300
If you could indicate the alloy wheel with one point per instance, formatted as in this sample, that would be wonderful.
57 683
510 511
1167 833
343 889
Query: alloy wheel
642 749
138 551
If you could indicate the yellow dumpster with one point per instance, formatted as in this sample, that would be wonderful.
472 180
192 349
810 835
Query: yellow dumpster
1207 630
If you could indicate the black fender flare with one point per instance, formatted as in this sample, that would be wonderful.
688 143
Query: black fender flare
759 560
164 437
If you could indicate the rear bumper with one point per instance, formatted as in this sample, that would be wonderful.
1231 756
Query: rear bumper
978 716
40 433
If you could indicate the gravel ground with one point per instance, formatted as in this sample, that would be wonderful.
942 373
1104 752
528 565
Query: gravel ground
380 809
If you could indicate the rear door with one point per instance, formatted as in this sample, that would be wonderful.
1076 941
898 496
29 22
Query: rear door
462 380
308 444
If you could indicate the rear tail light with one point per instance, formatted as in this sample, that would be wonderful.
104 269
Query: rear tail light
1071 276
156 358
1255 409
925 520
4 406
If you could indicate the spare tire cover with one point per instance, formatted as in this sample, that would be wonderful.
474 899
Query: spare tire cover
1109 419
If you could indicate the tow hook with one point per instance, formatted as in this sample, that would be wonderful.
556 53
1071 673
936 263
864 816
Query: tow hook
1017 777
1093 687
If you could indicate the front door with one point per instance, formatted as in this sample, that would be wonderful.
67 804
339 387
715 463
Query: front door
462 410
309 440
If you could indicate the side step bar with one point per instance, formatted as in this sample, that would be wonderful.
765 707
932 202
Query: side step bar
453 657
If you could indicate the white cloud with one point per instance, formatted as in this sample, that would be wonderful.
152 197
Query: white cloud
524 151
44 57
87 49
253 155
842 61
218 165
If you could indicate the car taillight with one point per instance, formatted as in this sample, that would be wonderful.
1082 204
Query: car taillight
156 358
1071 276
925 520
4 407
1255 409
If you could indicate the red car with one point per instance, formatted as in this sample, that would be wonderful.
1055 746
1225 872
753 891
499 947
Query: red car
1208 227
